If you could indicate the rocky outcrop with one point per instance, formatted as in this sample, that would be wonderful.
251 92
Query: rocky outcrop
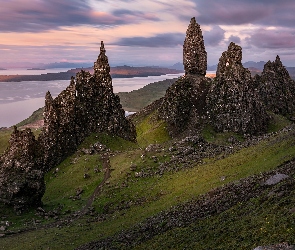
86 106
21 179
276 88
232 103
194 53
184 102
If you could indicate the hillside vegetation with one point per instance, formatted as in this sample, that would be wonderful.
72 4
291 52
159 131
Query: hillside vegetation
146 182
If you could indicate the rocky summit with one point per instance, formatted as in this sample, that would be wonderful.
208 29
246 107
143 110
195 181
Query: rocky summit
276 88
86 106
194 53
232 102
184 102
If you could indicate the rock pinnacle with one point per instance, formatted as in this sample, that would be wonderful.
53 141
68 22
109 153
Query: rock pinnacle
102 67
194 53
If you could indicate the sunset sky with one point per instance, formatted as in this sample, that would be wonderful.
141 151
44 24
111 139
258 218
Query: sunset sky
140 32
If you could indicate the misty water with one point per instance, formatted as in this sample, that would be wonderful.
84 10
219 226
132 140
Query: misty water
18 100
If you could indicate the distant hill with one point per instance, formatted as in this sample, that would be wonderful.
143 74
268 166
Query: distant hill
116 72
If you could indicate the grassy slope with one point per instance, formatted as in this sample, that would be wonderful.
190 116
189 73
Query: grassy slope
127 200
138 99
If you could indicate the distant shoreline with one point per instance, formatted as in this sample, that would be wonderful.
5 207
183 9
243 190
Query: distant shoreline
116 72
36 69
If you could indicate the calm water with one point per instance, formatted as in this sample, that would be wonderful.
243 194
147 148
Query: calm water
19 99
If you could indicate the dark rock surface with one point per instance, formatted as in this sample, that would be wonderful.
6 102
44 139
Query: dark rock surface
232 102
276 88
21 179
184 102
87 105
194 53
280 246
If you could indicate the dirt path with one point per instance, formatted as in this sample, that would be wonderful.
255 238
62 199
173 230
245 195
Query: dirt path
106 167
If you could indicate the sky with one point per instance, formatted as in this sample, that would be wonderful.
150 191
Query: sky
141 32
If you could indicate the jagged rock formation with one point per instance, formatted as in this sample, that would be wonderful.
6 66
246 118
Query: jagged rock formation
87 105
232 102
276 88
194 53
184 102
21 179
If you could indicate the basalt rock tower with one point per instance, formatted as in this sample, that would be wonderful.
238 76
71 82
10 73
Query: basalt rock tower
86 106
184 103
276 88
194 53
232 102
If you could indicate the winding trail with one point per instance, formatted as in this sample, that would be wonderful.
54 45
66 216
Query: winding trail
106 168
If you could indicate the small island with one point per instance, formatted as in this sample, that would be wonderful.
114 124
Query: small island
2 69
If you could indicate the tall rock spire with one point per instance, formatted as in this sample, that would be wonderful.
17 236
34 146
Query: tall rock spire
194 53
102 67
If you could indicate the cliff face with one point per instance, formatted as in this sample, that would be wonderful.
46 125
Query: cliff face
87 105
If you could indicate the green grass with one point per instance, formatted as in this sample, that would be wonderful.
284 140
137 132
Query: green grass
138 99
4 138
151 130
37 115
277 122
260 221
210 135
128 200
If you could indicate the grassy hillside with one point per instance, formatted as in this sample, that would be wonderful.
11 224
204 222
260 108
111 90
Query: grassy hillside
138 99
155 178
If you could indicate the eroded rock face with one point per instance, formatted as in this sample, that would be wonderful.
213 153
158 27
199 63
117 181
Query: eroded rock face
21 179
184 104
232 103
194 53
86 106
276 88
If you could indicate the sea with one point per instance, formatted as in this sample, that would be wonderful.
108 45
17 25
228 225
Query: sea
18 100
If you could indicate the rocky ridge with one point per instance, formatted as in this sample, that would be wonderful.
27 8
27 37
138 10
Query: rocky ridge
233 101
87 105
276 88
